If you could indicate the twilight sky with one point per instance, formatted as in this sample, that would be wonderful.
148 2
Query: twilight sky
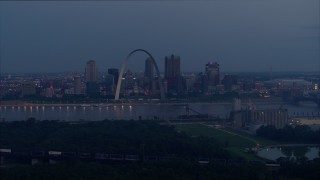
242 35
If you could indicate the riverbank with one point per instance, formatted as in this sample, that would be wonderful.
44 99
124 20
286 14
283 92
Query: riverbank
154 102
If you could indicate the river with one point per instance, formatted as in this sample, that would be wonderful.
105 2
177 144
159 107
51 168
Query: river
130 111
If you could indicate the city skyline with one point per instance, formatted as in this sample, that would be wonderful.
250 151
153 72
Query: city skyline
153 89
241 36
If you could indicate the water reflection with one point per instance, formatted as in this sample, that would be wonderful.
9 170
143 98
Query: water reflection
125 111
291 152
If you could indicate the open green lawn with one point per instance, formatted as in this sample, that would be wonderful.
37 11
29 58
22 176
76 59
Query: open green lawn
236 141
219 134
262 141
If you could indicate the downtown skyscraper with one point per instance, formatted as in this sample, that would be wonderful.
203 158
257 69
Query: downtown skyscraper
213 73
91 72
172 66
172 74
91 78
149 68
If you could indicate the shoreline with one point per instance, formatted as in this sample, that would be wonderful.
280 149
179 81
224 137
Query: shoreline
24 103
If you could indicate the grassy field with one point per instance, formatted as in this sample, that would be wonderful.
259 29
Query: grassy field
235 141
219 134
260 140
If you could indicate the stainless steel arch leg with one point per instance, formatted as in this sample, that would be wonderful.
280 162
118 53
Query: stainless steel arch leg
116 97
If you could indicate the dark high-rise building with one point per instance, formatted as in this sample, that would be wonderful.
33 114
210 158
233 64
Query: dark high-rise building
229 81
109 80
91 77
77 85
91 72
149 68
213 73
172 66
172 74
115 73
204 83
148 75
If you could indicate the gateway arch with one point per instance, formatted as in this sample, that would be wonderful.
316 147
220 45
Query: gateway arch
124 66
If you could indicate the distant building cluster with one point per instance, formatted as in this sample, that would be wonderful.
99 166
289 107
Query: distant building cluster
211 81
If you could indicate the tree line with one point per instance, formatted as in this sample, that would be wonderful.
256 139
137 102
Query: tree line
293 134
124 137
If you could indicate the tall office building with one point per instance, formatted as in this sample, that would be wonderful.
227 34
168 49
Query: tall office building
109 82
91 78
77 85
149 68
115 73
229 81
91 72
148 76
172 66
213 73
204 83
172 74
